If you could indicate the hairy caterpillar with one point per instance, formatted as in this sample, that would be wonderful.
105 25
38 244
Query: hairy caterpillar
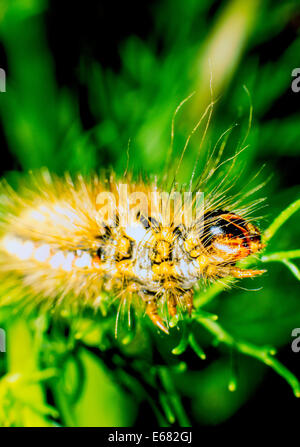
58 246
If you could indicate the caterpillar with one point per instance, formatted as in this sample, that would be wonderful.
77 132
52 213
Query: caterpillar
61 243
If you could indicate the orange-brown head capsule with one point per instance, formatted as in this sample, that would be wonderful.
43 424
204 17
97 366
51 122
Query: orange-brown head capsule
228 237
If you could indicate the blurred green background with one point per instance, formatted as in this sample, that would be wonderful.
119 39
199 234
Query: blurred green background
83 80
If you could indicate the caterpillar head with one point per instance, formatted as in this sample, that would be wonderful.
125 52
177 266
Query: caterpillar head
228 237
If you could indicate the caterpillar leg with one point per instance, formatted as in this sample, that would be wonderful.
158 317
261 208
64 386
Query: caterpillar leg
188 300
172 305
152 312
245 273
236 272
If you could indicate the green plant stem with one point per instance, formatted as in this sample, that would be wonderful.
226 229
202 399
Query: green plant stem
281 256
280 220
264 354
174 405
293 268
284 257
196 347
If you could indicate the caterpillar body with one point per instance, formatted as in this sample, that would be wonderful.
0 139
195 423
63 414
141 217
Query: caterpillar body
55 244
